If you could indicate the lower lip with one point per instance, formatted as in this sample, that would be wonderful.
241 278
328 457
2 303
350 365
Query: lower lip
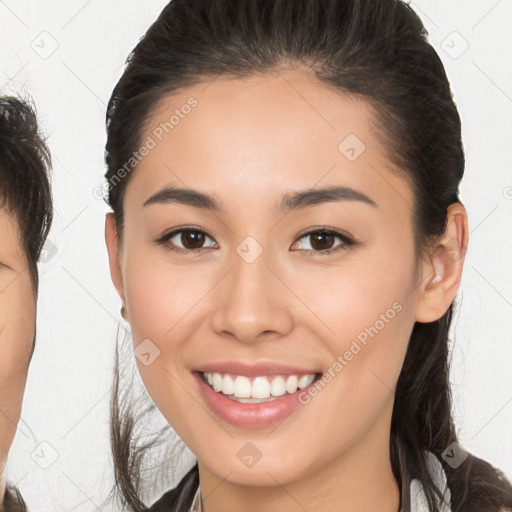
248 415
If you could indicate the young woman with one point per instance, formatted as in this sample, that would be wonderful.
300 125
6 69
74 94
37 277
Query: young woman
288 240
25 220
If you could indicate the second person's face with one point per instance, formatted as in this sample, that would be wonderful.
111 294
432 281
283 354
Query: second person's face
17 328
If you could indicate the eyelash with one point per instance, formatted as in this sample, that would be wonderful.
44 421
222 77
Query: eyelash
347 241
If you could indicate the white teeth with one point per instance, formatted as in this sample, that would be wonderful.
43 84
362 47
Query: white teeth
242 387
277 386
250 400
261 388
228 386
306 380
217 381
291 383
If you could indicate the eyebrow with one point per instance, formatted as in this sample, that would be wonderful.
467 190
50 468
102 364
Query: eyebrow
291 201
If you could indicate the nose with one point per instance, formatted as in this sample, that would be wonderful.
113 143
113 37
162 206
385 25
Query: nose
252 303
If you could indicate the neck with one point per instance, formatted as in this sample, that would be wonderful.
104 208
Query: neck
360 479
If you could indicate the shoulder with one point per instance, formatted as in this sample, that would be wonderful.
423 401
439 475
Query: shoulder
179 498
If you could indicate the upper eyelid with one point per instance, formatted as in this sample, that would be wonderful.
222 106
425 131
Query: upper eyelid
324 229
309 231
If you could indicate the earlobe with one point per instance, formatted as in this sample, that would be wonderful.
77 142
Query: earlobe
111 241
442 273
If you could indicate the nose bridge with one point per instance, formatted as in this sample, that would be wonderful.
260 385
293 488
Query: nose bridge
251 300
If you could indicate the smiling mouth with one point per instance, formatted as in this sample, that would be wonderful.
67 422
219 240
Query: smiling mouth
243 389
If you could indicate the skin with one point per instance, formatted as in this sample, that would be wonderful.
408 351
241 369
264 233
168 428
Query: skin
249 142
17 330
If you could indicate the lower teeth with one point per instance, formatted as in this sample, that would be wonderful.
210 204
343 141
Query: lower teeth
252 400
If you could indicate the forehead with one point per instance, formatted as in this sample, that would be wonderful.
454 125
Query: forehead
263 133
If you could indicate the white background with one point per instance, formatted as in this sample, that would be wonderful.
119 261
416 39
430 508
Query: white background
66 404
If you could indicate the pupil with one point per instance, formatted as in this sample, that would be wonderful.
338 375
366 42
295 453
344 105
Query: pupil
192 239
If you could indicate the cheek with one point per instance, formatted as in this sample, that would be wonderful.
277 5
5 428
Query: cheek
366 298
367 315
17 327
163 303
159 297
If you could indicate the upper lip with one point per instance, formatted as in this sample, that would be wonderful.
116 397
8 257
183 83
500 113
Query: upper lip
253 369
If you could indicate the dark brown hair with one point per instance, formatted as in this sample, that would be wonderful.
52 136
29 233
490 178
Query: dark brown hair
25 189
377 50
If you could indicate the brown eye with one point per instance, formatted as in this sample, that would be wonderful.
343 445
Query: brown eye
186 240
192 239
323 241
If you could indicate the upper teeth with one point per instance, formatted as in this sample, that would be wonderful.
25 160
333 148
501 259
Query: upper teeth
261 387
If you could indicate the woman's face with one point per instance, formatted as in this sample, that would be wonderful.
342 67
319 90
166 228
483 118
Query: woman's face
17 328
262 298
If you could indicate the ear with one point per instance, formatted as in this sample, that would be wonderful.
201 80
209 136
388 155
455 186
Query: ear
441 274
113 254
